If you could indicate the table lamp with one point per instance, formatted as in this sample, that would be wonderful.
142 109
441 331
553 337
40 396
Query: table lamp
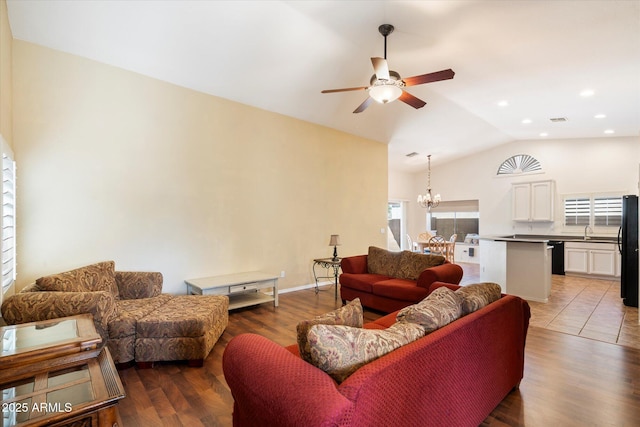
335 241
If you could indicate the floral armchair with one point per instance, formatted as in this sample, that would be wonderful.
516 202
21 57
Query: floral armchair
116 299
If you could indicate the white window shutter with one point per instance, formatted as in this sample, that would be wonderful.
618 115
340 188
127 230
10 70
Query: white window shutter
8 232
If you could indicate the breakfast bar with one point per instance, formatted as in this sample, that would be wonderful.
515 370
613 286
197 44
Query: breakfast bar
520 265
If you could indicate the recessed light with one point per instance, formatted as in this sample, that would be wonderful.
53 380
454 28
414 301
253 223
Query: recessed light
586 93
503 103
609 131
526 121
544 134
599 116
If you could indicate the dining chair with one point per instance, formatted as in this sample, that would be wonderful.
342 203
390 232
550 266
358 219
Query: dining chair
413 246
451 247
438 246
425 236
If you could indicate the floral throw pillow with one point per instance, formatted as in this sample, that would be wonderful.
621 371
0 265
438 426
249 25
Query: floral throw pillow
440 308
95 277
478 295
382 261
412 264
350 315
340 350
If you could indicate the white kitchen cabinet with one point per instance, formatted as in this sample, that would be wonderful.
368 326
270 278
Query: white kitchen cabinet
602 262
533 201
576 260
465 252
598 259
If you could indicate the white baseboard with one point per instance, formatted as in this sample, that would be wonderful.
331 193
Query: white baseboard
302 287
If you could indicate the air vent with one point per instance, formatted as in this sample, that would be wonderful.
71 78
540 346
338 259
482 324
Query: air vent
412 154
558 119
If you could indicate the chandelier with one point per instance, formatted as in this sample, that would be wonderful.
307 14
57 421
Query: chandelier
427 200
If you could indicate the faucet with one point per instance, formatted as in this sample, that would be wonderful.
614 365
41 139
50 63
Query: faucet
587 229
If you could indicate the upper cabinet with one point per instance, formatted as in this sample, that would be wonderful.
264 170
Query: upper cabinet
533 201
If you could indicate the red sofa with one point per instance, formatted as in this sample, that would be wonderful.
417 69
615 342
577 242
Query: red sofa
454 376
393 280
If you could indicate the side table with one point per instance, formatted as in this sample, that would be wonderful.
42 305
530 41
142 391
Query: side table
328 264
58 374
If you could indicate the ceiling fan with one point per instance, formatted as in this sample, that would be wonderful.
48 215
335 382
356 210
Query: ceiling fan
387 85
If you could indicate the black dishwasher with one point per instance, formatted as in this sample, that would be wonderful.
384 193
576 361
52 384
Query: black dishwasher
557 257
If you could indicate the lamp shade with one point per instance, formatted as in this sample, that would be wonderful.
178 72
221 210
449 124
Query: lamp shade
334 240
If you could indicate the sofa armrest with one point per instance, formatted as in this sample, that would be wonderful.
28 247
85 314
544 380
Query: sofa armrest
271 386
447 272
138 284
26 307
354 264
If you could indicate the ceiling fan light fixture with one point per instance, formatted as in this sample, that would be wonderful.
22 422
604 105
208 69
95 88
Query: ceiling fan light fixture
385 92
386 85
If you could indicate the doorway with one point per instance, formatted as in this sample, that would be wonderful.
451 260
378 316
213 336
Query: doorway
397 225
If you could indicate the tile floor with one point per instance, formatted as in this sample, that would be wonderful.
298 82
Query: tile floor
589 308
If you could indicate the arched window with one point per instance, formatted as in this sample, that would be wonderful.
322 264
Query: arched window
520 163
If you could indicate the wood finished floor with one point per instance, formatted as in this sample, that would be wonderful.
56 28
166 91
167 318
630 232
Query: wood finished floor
573 376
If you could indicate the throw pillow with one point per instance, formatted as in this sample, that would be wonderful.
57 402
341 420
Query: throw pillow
341 350
412 264
440 308
382 261
350 314
478 295
96 277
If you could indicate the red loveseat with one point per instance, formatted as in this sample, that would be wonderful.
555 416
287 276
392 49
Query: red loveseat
388 281
454 376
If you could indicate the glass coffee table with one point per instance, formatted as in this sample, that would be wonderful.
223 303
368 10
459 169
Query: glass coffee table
56 373
54 341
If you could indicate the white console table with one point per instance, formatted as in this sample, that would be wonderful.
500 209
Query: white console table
243 289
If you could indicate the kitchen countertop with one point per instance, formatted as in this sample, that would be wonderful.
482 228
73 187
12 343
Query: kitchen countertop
537 238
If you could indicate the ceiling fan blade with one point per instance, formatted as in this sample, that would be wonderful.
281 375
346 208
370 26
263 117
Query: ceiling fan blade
345 89
429 78
407 98
364 105
381 68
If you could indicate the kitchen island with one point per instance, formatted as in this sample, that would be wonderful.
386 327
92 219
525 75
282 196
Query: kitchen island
521 265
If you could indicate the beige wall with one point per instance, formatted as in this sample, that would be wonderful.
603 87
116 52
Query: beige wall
115 165
5 74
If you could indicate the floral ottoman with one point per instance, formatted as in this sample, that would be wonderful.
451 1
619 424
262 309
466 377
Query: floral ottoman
185 328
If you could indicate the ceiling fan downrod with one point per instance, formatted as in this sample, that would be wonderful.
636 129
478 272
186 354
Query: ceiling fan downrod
385 30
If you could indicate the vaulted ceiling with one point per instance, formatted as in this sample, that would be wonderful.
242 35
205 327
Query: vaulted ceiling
537 56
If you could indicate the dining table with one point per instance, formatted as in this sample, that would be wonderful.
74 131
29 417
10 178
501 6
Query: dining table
449 248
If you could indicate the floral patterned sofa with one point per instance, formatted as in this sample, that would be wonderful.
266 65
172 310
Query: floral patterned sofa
136 320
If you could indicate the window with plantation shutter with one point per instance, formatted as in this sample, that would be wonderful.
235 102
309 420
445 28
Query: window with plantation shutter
577 211
593 210
607 211
8 222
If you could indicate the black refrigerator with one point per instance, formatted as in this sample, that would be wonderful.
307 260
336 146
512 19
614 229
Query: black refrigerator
628 247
